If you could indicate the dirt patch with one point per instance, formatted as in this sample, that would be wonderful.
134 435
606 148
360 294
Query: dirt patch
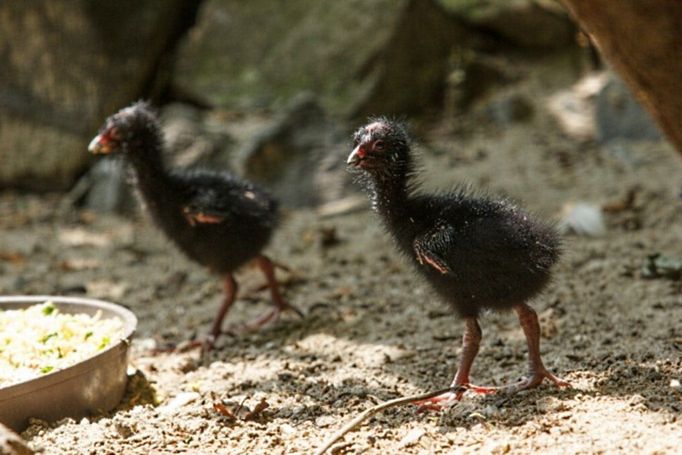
374 332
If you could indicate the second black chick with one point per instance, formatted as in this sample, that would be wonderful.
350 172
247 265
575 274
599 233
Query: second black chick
477 253
216 219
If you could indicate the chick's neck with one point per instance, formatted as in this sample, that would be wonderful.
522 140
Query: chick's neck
391 192
151 177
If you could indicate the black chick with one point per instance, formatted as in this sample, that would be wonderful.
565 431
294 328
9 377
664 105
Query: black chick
216 219
477 253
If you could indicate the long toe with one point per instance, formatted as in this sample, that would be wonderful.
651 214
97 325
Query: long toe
482 390
440 402
206 344
291 307
256 324
534 379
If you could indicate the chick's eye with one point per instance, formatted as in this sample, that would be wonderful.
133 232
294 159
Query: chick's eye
379 145
111 133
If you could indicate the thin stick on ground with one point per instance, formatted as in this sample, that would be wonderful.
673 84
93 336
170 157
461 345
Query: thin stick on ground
350 426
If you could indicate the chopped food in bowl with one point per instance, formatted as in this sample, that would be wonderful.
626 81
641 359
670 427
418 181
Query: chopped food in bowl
40 339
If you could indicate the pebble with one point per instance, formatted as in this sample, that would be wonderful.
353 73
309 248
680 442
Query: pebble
550 404
411 438
180 400
325 421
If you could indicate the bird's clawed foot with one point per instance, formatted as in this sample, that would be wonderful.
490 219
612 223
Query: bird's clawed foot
535 378
267 318
268 268
448 399
206 344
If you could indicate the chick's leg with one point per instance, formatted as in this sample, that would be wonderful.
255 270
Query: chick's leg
268 268
207 343
471 341
230 289
537 372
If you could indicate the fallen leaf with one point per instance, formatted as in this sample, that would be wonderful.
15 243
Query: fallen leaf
223 410
13 257
238 411
260 407
626 203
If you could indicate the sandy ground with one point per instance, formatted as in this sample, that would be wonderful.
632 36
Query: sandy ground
373 332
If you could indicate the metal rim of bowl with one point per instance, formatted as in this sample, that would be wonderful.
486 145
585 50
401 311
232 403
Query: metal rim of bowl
51 379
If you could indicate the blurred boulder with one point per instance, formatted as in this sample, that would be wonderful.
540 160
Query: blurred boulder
359 56
620 116
525 23
195 137
573 108
642 41
473 75
66 66
508 108
294 155
108 189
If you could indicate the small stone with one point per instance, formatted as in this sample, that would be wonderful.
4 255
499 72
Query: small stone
636 400
490 411
325 421
582 219
550 404
298 410
500 448
675 383
124 430
180 400
411 438
620 116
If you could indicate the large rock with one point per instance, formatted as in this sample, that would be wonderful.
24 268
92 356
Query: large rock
526 23
66 66
296 155
358 56
195 137
642 41
620 116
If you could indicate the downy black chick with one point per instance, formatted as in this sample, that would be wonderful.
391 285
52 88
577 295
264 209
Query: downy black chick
216 219
476 252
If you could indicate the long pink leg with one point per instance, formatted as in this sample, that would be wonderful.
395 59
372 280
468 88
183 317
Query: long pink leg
471 341
230 287
206 343
268 269
537 372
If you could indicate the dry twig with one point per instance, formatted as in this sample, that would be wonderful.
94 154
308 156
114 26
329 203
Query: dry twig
375 409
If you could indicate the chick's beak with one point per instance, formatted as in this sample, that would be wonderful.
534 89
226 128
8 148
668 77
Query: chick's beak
356 156
98 146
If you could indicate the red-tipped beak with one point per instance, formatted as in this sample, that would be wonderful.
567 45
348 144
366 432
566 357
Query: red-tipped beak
356 156
99 146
